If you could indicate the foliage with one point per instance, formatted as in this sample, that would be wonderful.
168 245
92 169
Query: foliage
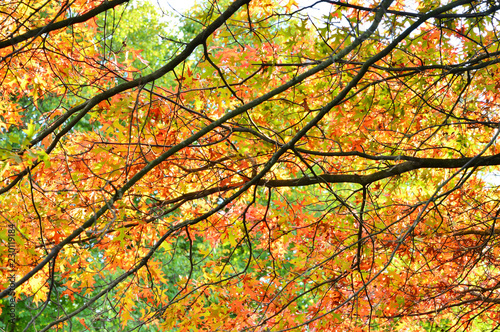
251 169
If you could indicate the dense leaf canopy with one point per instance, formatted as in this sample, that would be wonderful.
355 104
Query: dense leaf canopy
256 165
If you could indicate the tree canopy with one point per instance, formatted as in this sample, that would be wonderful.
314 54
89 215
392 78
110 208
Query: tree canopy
250 165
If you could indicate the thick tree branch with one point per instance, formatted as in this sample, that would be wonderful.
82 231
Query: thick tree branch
364 179
61 24
490 11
